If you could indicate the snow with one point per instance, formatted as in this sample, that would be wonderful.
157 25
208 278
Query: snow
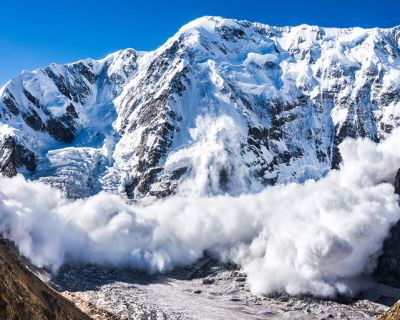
300 83
339 115
206 290
214 84
237 78
329 230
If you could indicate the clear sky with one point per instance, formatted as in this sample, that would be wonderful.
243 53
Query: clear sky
36 33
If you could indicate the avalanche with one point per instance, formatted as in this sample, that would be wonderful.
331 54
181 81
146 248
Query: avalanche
321 237
228 132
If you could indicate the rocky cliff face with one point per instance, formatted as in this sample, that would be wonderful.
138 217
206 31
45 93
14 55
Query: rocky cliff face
24 296
392 314
224 106
388 268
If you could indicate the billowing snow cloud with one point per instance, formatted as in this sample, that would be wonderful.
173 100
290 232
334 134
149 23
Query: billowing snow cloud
320 237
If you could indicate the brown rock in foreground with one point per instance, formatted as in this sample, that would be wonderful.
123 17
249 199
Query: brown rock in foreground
25 296
393 313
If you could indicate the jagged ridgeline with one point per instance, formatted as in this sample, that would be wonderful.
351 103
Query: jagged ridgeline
224 106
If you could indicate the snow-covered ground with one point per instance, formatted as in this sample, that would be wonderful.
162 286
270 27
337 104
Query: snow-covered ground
206 290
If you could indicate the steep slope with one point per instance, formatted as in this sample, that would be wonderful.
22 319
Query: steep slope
224 106
24 296
392 314
44 112
388 266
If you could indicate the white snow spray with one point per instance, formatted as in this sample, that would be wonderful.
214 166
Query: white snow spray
318 238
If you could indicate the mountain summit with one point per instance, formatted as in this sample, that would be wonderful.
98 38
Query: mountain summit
224 106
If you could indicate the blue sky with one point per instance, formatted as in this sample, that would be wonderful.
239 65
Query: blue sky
36 33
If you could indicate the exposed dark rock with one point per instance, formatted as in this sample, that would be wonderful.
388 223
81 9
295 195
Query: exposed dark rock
179 173
223 179
32 99
75 90
160 122
230 34
15 156
388 268
33 120
208 281
84 70
9 101
59 131
71 111
59 82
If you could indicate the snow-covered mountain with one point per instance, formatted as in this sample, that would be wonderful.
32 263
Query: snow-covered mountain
224 106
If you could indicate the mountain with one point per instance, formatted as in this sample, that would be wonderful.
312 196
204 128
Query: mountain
224 106
24 296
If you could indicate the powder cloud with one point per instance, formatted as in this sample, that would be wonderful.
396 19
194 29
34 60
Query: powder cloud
321 237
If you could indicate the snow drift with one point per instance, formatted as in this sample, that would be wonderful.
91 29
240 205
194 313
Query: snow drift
320 237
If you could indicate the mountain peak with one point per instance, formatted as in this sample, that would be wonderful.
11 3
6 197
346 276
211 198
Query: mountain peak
268 104
208 23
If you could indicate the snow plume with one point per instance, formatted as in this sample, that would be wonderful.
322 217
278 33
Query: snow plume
216 165
320 237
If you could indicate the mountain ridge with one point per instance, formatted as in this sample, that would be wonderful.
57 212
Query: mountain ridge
270 104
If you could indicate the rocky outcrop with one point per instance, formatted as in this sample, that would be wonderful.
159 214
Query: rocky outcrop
392 314
388 268
24 296
14 156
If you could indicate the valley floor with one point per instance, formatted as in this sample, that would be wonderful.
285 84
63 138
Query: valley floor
207 290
